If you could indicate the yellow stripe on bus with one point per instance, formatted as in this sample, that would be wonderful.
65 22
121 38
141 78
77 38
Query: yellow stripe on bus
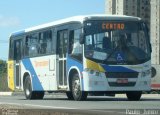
94 66
11 84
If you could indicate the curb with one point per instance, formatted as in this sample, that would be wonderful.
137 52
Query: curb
5 93
143 95
55 94
21 93
18 93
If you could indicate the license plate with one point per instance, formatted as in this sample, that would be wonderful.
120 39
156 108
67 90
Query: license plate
122 80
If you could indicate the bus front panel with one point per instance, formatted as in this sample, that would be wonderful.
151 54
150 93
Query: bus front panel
11 82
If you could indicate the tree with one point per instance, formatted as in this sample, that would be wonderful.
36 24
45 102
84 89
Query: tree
3 76
3 67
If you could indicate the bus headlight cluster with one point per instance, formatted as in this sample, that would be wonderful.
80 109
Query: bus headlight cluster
92 72
146 73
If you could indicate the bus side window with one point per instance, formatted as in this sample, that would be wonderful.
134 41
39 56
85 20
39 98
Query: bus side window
88 42
11 53
75 48
45 42
17 50
31 45
26 46
71 41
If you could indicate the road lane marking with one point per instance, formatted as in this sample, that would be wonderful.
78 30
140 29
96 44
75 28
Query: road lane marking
61 108
107 111
41 106
47 107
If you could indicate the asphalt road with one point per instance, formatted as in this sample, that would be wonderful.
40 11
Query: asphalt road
93 105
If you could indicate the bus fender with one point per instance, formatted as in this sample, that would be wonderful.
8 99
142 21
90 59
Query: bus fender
71 72
27 73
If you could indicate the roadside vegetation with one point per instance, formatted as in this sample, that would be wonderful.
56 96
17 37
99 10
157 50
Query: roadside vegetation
3 76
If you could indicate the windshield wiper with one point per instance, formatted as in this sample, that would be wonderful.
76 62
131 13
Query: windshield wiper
114 50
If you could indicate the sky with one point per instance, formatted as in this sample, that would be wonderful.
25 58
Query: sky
21 14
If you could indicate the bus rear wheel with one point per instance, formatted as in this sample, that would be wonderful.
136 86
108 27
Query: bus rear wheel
38 95
28 88
134 96
78 95
69 95
29 93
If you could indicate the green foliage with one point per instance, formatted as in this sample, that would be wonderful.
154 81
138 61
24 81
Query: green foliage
4 83
3 67
3 76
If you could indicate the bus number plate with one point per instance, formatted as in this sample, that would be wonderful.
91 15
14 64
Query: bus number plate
122 80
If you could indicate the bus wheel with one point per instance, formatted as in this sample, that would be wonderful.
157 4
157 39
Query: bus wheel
78 95
69 95
28 88
134 96
38 95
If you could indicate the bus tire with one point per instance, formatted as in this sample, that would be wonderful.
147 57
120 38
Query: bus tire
38 95
78 95
134 96
28 88
69 95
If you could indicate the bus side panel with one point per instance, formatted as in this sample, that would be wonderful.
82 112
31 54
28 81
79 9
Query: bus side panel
11 83
42 71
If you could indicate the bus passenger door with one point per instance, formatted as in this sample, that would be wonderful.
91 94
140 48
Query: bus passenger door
62 50
17 58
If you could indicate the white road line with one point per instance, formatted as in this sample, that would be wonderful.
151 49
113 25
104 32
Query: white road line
66 108
41 106
49 107
107 111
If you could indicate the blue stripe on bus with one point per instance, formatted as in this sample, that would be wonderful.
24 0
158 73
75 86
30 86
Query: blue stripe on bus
116 68
35 81
72 62
18 33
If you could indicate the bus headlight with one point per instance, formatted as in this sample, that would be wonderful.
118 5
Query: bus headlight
97 74
92 72
145 73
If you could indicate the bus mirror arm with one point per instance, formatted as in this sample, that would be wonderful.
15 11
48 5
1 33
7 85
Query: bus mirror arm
81 40
150 47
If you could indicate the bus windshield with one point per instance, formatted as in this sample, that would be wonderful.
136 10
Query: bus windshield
117 42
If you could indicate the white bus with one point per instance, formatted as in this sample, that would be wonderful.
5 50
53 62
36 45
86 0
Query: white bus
82 55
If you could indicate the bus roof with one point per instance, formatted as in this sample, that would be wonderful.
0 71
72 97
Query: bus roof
77 19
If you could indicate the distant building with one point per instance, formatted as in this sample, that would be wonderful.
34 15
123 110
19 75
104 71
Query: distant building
155 31
139 8
148 10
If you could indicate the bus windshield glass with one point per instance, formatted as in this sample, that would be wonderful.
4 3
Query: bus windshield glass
117 42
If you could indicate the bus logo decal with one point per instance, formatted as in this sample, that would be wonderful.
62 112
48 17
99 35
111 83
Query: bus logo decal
119 57
41 63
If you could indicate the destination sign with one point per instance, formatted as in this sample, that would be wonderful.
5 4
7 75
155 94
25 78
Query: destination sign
114 26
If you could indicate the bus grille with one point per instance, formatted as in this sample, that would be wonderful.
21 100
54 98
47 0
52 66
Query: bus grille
121 74
124 76
114 84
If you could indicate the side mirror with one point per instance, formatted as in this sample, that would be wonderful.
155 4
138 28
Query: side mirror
81 40
154 71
